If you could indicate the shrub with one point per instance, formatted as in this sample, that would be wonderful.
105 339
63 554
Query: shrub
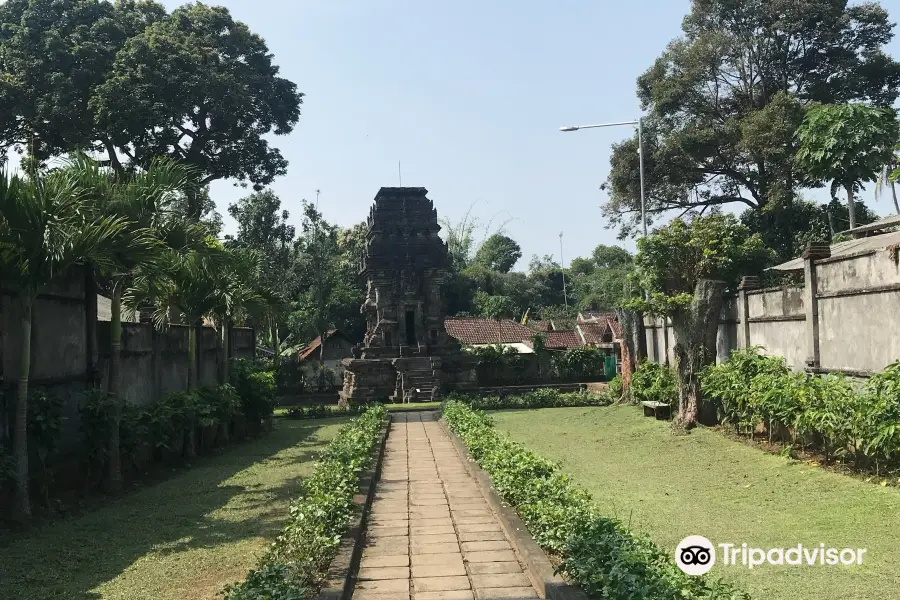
616 387
580 364
293 566
597 553
256 389
541 398
652 382
831 413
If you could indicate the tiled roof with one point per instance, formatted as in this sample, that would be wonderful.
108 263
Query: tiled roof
592 333
476 330
595 316
309 350
541 325
563 340
616 328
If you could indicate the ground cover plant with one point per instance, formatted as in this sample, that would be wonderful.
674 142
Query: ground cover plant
181 538
540 398
293 566
709 484
596 552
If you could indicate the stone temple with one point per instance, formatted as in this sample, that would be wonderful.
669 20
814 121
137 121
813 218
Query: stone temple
406 355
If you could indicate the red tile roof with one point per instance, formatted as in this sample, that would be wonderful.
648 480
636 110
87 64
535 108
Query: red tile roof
595 316
476 330
541 325
563 340
309 350
616 328
592 333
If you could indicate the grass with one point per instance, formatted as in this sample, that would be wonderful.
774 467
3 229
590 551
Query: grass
182 539
707 484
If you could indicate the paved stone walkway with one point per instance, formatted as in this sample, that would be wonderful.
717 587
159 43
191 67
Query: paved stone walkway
431 534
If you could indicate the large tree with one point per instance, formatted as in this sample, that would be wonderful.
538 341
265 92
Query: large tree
130 82
499 253
263 226
687 266
724 100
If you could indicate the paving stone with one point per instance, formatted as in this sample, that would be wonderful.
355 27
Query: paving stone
388 521
441 570
431 530
430 521
474 520
435 584
384 585
443 595
469 505
478 512
481 536
485 545
376 595
376 573
388 545
491 556
494 567
520 593
429 512
500 580
371 562
478 527
435 548
377 531
436 559
441 538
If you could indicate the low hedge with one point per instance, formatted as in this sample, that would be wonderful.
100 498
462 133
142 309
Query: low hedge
597 553
293 566
544 398
321 411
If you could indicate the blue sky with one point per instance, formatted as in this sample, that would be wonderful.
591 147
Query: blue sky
469 97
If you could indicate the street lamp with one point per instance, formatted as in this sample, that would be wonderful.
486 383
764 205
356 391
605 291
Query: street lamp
640 129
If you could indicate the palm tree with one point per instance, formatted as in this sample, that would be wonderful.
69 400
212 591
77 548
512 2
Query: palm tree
885 178
145 198
47 227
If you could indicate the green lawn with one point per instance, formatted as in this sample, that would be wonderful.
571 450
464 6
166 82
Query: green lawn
706 484
181 539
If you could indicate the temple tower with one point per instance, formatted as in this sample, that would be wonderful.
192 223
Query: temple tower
406 354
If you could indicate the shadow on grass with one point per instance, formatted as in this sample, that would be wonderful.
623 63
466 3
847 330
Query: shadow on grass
228 499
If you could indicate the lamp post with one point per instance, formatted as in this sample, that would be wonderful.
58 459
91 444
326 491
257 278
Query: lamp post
640 129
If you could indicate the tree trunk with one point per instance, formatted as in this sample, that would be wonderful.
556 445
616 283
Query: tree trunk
190 447
894 194
114 465
696 328
226 350
322 361
851 205
276 345
22 507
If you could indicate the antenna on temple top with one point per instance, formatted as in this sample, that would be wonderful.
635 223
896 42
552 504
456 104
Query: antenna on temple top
399 174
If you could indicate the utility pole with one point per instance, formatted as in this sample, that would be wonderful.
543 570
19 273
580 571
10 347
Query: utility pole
562 270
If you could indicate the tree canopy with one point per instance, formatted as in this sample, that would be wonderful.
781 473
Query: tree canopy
131 82
723 101
499 253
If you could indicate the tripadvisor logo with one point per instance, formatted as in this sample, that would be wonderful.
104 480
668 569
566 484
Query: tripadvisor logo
696 555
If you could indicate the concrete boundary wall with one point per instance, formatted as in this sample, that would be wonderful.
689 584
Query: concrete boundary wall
70 351
850 324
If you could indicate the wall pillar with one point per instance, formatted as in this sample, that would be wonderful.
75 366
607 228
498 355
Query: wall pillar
747 284
813 251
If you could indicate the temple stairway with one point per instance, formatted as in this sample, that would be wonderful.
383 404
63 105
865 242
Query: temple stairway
421 377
